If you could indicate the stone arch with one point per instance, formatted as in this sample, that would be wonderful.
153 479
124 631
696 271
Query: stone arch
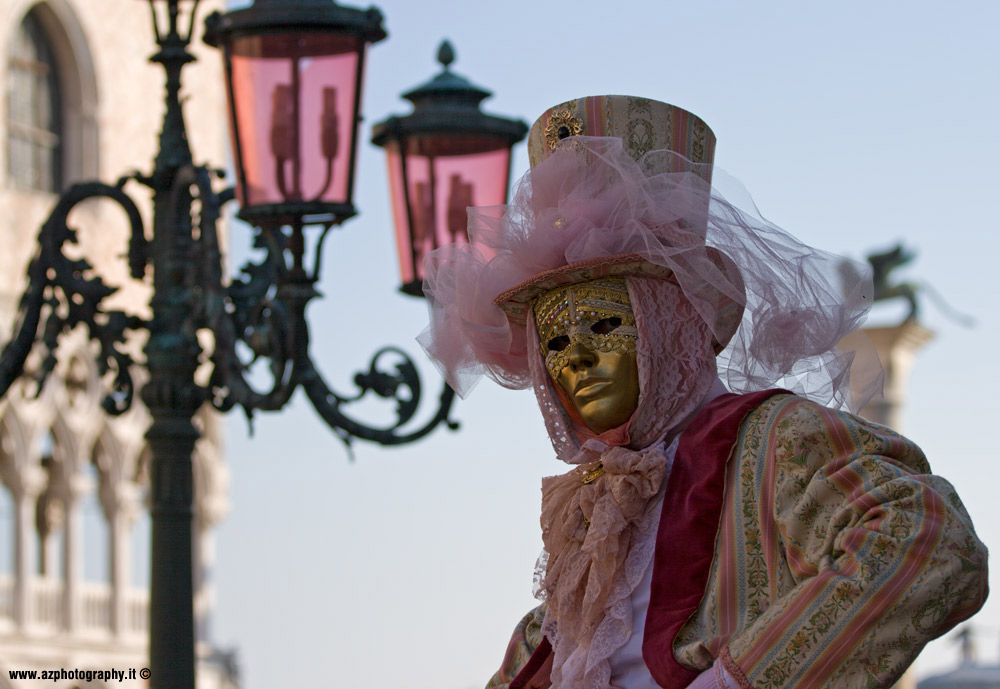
14 453
77 83
80 392
66 451
106 455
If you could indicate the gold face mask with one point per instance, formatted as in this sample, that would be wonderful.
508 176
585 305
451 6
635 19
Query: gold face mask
588 338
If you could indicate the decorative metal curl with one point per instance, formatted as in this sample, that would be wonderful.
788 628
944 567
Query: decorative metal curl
74 296
388 385
267 311
264 310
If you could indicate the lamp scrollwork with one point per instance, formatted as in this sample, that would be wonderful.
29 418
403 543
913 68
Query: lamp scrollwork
261 313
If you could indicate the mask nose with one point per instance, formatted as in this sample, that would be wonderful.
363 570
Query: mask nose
581 357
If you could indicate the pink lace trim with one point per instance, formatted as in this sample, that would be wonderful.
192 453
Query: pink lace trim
592 570
733 670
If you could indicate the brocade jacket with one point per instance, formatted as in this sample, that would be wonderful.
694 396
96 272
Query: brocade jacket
805 547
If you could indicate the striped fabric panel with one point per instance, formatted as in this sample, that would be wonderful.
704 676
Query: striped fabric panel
597 116
838 556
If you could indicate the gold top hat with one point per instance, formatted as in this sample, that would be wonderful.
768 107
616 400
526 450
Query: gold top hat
642 124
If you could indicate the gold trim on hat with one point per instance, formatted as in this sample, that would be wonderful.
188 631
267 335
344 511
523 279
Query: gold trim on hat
558 121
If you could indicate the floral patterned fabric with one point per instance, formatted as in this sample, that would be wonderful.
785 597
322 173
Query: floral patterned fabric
838 557
526 638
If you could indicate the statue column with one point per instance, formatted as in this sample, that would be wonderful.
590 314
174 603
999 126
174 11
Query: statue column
897 347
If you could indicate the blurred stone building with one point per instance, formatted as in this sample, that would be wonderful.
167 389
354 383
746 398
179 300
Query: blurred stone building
79 100
970 673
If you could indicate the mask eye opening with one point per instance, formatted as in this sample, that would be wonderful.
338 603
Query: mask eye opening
557 344
606 325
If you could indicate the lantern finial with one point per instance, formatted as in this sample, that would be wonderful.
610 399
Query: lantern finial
446 54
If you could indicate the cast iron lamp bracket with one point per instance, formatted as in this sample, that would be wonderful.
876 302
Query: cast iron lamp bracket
65 293
262 312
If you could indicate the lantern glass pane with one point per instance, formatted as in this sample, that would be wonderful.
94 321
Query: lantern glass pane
444 176
293 99
401 220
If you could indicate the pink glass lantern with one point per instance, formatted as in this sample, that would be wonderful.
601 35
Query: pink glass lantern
293 76
444 157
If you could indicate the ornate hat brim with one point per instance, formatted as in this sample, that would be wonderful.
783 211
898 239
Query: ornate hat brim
516 301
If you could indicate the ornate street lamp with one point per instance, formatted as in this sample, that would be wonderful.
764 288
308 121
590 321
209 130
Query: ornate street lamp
445 156
293 71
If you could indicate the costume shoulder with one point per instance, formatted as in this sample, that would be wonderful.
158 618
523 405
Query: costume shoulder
804 434
868 555
525 640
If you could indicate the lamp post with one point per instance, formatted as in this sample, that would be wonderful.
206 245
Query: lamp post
294 72
443 157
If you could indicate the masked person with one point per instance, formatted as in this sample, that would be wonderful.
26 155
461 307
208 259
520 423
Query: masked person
715 531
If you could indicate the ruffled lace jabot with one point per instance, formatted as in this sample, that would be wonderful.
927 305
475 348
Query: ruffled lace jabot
596 520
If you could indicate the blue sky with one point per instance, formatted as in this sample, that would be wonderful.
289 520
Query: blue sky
854 125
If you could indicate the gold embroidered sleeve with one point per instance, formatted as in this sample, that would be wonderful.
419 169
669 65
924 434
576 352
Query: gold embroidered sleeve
870 555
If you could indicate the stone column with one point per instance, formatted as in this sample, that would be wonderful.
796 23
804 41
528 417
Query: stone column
73 551
211 506
25 493
203 594
49 548
123 512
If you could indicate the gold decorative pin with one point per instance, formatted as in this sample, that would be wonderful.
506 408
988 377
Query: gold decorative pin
561 124
593 474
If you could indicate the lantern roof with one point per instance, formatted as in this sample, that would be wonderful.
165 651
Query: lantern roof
447 84
447 104
277 16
